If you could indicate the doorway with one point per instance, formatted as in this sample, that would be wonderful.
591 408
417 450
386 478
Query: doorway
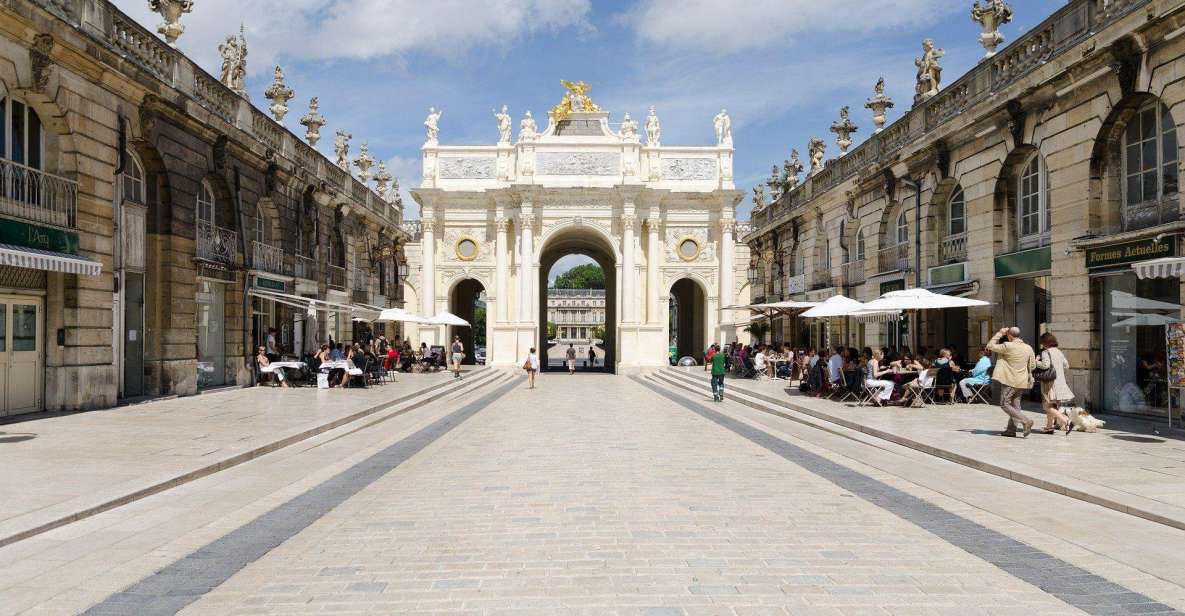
133 334
688 310
582 314
22 353
468 301
211 306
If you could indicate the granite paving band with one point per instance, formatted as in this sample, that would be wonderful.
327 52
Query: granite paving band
1075 586
174 587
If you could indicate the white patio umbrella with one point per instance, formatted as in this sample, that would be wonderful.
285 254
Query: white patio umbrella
1146 320
834 306
917 299
448 318
399 314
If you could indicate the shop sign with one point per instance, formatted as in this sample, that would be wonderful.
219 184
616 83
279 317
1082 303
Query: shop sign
1025 262
1130 252
268 283
948 274
36 236
893 285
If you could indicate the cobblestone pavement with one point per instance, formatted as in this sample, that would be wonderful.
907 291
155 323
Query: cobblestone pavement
594 494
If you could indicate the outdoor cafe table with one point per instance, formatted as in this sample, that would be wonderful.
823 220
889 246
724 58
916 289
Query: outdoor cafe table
340 364
276 365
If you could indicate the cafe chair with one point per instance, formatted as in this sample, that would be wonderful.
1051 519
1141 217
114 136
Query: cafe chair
980 393
844 390
866 394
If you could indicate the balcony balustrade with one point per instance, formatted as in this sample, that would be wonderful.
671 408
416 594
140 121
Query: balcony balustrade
953 249
267 258
335 277
821 279
894 259
1151 213
304 267
854 273
36 196
216 244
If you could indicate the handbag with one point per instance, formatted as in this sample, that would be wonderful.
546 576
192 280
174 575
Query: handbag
1045 375
527 365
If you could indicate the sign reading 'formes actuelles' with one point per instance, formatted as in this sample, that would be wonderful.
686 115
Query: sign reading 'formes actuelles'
1128 252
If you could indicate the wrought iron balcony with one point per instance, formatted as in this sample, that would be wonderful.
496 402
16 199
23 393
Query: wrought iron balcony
894 259
1151 213
854 273
36 196
360 296
953 249
216 244
821 279
266 258
335 277
304 267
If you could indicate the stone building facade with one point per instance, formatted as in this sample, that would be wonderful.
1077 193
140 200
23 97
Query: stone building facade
155 224
576 312
1035 181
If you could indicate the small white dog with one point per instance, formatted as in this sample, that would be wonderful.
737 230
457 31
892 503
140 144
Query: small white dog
1083 420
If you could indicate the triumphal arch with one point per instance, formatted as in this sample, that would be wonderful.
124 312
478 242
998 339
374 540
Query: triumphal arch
659 219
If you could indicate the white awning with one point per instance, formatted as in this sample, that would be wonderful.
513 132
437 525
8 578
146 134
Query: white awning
48 260
309 303
1167 267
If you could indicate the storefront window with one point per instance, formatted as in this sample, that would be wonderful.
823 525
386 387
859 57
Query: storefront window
1135 313
211 336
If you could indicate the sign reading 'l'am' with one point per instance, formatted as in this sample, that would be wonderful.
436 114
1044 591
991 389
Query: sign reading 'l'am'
37 236
1130 252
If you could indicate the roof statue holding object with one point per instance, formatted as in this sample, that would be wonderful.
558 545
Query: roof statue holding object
575 99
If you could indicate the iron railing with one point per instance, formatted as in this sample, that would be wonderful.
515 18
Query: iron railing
267 258
894 259
953 249
821 279
854 273
217 244
335 277
34 195
304 267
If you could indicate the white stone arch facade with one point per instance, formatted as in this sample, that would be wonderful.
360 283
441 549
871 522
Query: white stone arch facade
577 187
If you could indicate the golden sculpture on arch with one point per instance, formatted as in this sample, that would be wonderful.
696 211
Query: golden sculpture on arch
575 99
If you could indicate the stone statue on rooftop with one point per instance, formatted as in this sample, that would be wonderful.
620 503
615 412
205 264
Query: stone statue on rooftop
171 11
791 169
653 129
279 94
503 118
723 126
528 130
629 129
817 149
234 63
312 121
990 16
341 148
431 123
929 72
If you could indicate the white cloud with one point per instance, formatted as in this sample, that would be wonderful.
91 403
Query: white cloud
360 29
709 25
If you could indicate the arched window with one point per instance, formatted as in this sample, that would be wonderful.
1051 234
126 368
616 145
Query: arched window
827 253
1149 155
956 214
21 136
1032 202
259 225
901 234
860 245
133 179
205 203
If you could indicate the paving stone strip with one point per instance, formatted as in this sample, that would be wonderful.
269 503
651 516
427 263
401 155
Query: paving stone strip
174 587
1075 586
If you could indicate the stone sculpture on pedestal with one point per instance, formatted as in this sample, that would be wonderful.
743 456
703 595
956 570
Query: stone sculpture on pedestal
629 129
234 63
843 129
312 121
171 11
381 178
653 129
723 126
878 104
431 123
817 149
790 171
364 162
279 94
341 147
528 130
503 118
990 16
929 72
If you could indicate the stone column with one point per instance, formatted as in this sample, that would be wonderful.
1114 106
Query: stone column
727 267
526 222
500 282
428 248
653 260
629 299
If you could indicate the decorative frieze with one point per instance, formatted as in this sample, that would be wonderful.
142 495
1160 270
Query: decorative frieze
467 167
689 168
678 250
578 163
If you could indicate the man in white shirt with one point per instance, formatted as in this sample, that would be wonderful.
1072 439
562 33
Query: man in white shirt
835 366
759 361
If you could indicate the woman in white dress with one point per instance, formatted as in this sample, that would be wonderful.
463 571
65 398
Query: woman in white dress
531 365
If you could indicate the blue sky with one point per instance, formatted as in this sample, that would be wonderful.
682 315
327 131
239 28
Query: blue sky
782 68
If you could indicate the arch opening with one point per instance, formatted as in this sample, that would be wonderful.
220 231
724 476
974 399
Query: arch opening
578 314
688 313
468 301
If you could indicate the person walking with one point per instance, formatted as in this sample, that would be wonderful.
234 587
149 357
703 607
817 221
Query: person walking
1056 391
571 355
458 354
592 357
719 366
531 365
1014 373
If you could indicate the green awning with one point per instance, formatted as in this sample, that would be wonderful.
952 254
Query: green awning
1024 262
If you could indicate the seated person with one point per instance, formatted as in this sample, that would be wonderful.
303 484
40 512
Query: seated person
835 366
759 363
913 389
262 361
980 374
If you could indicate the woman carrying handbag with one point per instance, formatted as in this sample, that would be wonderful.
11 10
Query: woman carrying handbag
531 365
1055 391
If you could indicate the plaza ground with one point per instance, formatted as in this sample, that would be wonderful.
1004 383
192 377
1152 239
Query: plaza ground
491 498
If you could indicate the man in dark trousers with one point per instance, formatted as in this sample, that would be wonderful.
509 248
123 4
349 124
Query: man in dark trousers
718 369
